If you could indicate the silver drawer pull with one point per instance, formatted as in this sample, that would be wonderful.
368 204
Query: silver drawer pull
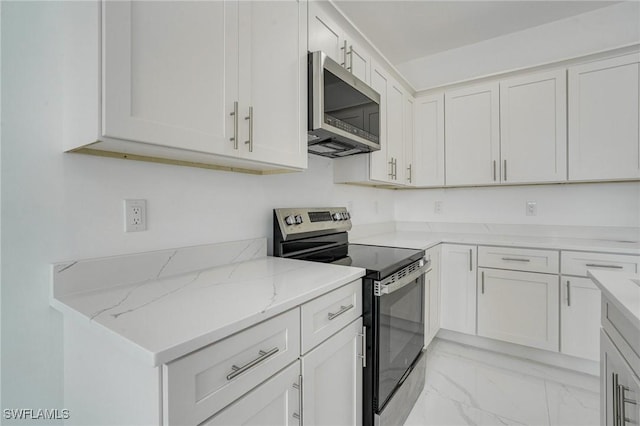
239 370
234 114
596 265
342 310
513 259
364 346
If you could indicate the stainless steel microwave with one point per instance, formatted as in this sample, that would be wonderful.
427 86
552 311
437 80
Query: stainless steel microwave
344 112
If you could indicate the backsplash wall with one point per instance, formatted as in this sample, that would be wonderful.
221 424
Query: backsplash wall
587 204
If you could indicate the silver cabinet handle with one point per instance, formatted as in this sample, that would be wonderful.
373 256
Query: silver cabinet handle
409 169
364 347
505 170
482 282
514 259
568 293
344 54
614 396
595 265
350 53
623 401
250 118
234 114
239 370
395 169
391 168
342 310
471 259
298 386
494 170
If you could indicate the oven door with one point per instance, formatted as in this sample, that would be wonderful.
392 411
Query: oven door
400 335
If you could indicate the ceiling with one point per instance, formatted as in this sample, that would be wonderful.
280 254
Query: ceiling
407 30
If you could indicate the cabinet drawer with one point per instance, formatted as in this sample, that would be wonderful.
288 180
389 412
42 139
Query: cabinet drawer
622 332
530 260
202 383
577 263
327 314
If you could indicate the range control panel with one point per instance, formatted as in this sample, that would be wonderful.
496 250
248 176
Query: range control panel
294 221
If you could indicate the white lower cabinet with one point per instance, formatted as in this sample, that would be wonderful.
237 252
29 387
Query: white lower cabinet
275 402
519 307
432 295
200 384
579 318
332 380
458 288
619 388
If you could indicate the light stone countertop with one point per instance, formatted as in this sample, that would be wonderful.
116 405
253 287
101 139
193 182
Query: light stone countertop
164 317
622 289
425 240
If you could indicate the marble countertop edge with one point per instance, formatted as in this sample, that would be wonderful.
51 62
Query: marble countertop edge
621 291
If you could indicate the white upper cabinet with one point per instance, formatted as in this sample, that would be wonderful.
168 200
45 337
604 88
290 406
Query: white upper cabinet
195 82
380 167
395 131
472 135
604 117
170 73
273 99
428 152
326 35
359 62
533 141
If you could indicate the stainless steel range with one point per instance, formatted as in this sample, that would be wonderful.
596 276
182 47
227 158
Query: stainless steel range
393 304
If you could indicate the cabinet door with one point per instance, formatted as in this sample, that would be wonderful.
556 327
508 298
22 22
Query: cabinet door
170 73
458 288
533 129
275 402
619 388
325 34
359 62
519 307
380 166
273 82
432 296
395 130
472 135
429 143
604 116
332 372
580 318
409 140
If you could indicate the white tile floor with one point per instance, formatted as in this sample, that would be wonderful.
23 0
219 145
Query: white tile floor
469 386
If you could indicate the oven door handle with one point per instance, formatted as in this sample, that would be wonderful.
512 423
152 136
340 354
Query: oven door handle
382 287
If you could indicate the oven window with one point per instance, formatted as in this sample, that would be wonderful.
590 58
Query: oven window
401 335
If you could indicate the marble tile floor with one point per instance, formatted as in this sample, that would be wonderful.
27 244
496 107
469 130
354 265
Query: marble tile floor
470 386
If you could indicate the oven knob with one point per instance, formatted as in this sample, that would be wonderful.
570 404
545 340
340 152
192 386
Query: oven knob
344 215
299 219
336 216
348 215
290 220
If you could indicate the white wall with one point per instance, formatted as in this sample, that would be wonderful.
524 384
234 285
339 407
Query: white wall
606 28
597 204
60 206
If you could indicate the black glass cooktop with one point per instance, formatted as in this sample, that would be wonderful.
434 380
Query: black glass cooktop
380 261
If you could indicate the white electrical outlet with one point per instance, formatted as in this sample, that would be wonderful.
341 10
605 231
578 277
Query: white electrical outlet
135 215
532 208
437 207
